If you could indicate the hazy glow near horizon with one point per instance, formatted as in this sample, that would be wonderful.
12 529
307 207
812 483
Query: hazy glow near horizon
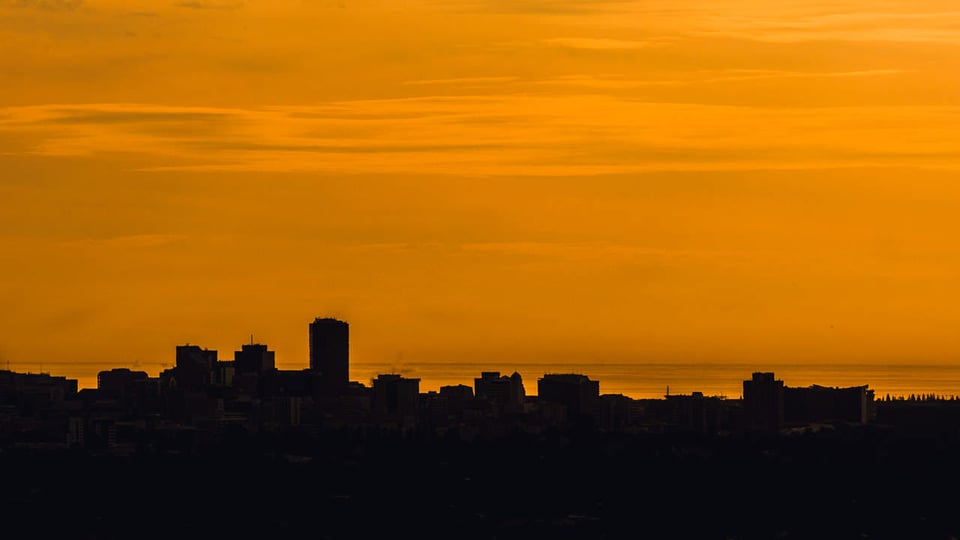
562 181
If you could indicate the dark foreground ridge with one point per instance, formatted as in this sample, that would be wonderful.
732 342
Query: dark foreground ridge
846 483
241 449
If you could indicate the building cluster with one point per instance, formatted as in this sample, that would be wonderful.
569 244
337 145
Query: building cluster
204 399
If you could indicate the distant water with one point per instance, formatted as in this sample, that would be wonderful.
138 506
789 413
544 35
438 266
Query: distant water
654 380
646 380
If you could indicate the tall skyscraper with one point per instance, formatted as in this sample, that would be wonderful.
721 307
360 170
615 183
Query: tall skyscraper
330 353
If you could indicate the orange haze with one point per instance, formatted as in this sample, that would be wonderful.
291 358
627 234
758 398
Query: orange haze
541 180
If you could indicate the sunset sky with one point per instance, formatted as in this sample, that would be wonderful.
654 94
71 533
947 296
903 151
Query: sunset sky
547 180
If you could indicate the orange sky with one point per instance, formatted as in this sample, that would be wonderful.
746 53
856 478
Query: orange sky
545 180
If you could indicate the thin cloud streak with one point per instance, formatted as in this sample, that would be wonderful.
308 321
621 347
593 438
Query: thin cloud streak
602 44
526 135
134 241
581 251
693 79
462 80
197 4
45 5
758 74
853 26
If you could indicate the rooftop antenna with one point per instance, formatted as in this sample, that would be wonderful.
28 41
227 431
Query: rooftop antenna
668 390
251 339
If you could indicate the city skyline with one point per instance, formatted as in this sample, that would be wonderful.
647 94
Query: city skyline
202 391
329 361
205 402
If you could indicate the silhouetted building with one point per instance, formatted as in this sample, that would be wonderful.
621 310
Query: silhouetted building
284 411
134 390
577 393
457 398
34 410
763 402
34 390
920 415
395 398
195 366
616 412
822 404
330 354
223 373
281 382
505 394
355 405
192 356
434 411
253 358
118 382
697 413
460 392
183 387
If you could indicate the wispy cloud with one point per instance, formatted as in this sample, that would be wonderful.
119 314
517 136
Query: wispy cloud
535 7
706 77
462 81
854 24
496 135
47 5
599 250
126 242
757 74
210 4
601 44
606 82
128 116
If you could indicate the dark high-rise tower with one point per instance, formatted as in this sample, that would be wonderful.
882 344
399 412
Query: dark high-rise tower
330 353
254 358
763 402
